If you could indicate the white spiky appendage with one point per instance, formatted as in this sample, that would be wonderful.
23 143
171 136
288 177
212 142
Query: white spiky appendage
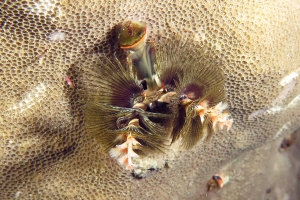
124 152
202 109
219 117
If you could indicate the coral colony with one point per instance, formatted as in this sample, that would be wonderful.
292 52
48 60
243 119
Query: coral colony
156 98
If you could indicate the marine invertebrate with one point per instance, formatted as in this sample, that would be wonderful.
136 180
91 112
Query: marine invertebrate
147 104
258 44
287 142
217 182
124 152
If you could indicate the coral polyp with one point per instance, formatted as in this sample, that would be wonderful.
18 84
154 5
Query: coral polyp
156 98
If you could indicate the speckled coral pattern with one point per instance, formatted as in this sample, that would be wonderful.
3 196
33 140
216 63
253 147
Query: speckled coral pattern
45 152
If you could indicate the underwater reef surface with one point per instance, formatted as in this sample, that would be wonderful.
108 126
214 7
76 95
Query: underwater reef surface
46 46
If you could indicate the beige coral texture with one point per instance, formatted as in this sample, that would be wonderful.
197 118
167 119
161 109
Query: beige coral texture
45 152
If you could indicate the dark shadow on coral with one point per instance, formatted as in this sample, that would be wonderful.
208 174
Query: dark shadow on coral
32 167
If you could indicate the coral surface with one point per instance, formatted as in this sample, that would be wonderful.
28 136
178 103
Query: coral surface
45 151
